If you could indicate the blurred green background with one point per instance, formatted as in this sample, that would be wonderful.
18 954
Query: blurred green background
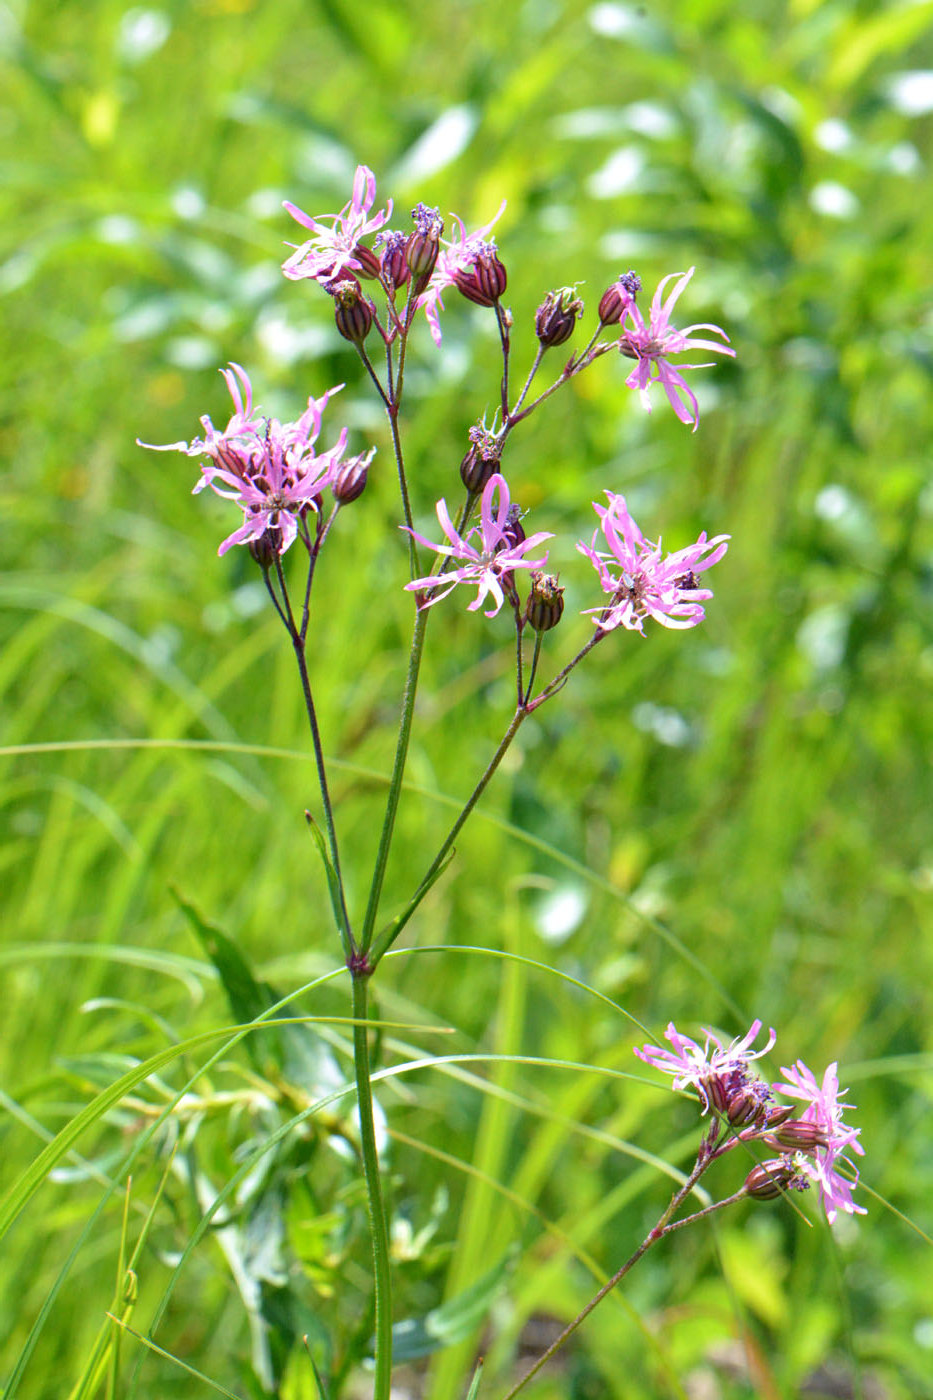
707 826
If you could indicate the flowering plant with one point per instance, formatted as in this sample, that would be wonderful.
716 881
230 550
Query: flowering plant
287 492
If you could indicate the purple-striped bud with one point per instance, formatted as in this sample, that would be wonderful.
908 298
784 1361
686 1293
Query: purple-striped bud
482 458
512 529
266 547
352 312
423 246
617 299
745 1107
486 281
768 1180
545 604
350 478
369 264
798 1136
395 269
556 317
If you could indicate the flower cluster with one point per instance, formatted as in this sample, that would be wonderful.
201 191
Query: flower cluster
269 469
810 1145
336 254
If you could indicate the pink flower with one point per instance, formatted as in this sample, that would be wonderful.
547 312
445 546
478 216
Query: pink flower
652 344
717 1076
648 584
457 255
824 1109
332 249
498 552
270 469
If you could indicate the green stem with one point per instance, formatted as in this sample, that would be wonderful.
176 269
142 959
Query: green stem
451 836
539 638
395 782
382 1277
346 935
298 646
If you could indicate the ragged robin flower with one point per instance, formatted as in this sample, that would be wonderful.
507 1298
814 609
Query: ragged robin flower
835 1139
643 582
337 246
718 1072
651 346
486 563
270 469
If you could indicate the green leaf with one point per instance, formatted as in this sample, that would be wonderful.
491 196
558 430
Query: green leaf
454 1320
333 883
248 998
297 1052
474 1383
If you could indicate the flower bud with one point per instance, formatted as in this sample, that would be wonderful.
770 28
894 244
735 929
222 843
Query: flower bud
486 280
423 246
395 269
799 1136
512 529
352 312
545 602
556 317
350 478
617 299
771 1179
482 458
266 547
745 1107
369 264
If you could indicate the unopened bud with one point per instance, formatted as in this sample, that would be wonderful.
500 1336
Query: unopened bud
545 602
395 269
486 281
482 458
779 1113
352 312
423 246
617 299
512 529
556 317
744 1107
771 1179
717 1091
266 547
350 478
369 264
799 1136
